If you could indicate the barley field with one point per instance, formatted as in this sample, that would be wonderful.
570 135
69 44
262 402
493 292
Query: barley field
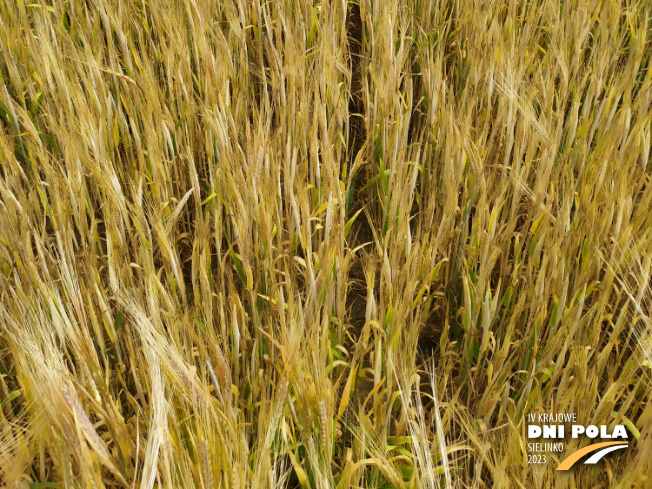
322 244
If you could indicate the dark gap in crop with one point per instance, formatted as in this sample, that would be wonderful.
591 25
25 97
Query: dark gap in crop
357 130
360 232
185 247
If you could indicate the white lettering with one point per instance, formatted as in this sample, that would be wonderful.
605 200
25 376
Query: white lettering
577 430
619 431
550 431
533 431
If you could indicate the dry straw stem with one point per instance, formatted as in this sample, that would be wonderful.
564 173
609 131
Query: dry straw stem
238 239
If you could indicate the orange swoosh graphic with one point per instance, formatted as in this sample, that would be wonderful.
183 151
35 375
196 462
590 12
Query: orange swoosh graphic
574 457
